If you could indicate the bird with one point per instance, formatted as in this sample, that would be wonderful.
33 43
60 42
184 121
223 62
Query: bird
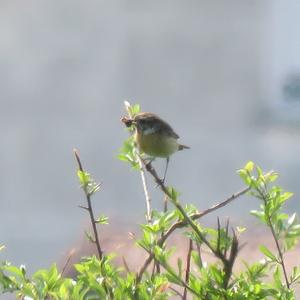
154 136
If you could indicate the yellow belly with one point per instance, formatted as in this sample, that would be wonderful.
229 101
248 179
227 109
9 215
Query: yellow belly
156 145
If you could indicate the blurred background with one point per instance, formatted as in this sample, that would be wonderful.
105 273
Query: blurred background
225 74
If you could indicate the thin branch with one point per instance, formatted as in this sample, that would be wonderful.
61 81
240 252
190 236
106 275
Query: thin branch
166 203
146 192
125 265
226 233
153 269
176 292
182 282
229 262
143 176
71 253
280 254
188 268
83 207
89 208
281 262
199 215
219 236
183 223
188 220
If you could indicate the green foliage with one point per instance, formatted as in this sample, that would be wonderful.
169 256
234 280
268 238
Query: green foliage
159 277
87 183
128 153
133 110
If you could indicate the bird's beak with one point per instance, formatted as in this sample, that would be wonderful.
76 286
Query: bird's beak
128 122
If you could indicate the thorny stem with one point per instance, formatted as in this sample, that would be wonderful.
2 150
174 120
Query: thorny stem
90 209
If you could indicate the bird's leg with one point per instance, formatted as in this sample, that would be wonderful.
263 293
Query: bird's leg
166 169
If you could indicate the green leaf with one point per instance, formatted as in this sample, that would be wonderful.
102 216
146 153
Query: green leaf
102 220
259 214
13 270
271 176
89 237
128 153
216 274
277 277
173 193
285 196
84 177
245 177
241 229
197 259
135 109
249 166
173 278
292 219
267 253
295 276
132 109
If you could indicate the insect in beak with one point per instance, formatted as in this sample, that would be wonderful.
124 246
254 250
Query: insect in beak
128 122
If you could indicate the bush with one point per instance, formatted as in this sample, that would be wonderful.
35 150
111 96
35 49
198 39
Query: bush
98 277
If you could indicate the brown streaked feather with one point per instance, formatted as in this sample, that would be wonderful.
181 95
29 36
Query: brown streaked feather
157 123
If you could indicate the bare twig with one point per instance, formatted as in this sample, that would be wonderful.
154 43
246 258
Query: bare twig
229 262
188 268
71 253
166 203
83 207
154 268
89 208
125 265
219 236
146 192
226 232
176 292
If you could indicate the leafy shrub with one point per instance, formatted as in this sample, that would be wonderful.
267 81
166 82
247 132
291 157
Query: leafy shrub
157 278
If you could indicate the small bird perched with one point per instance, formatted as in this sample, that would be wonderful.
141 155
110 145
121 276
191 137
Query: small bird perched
154 136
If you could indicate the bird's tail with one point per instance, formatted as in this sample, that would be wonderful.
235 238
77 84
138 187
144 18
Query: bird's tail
181 147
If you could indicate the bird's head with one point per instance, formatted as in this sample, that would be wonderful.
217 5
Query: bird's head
149 123
145 123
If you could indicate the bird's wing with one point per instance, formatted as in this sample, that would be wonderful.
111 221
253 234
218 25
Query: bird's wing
162 126
166 129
